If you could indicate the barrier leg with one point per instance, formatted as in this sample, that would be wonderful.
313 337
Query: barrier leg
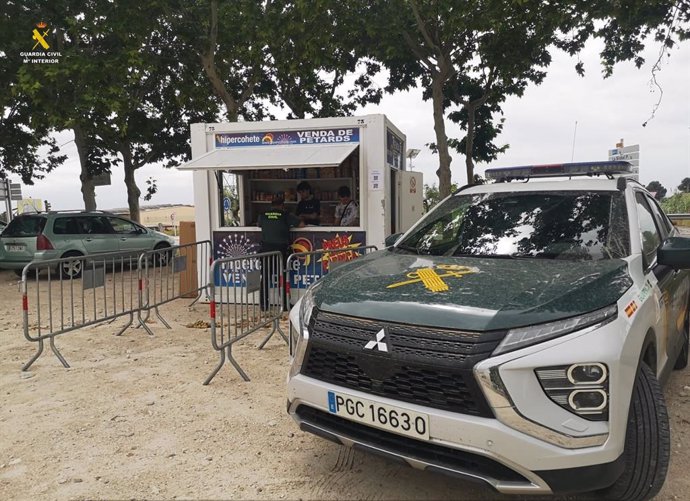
235 364
216 368
57 353
276 328
35 357
142 322
122 331
158 314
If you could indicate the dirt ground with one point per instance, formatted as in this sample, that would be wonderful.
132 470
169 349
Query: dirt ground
131 420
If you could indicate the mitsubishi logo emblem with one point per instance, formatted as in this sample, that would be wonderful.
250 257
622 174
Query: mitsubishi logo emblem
379 343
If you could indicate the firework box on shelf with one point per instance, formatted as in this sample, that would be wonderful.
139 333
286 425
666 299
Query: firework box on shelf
188 281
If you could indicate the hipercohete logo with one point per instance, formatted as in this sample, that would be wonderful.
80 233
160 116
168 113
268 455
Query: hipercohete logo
40 52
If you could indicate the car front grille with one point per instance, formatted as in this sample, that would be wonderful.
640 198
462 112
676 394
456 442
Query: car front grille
425 366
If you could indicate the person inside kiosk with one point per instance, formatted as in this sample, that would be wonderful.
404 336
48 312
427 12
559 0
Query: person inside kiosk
346 212
308 208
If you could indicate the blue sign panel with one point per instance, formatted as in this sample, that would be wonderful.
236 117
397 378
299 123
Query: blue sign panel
289 137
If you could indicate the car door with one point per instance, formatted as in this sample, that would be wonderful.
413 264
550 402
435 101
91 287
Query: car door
96 234
651 238
131 236
679 285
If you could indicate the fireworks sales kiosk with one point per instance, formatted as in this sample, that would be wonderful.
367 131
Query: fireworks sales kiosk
237 167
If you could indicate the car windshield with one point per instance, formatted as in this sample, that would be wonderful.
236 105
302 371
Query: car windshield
24 226
569 225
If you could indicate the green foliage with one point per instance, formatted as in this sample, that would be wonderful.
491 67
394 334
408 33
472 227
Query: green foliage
657 189
432 195
26 147
677 204
684 185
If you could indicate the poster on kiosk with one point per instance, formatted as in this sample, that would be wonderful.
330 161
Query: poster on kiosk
239 167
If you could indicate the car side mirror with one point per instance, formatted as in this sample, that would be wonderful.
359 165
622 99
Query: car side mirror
391 239
675 252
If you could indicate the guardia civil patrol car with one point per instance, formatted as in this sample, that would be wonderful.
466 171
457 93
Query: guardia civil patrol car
517 334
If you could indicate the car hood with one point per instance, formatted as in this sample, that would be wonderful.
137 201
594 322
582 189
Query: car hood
469 293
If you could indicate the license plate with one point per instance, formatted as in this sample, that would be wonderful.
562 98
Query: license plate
387 417
14 248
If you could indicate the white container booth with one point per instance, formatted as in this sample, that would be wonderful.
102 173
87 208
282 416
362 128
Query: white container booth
239 166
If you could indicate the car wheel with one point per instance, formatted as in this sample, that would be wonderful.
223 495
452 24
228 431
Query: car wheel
71 269
682 360
162 258
647 443
18 272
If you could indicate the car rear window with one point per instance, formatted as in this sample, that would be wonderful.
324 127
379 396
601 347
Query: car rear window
25 226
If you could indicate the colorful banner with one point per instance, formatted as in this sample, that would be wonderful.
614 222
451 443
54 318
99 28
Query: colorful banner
338 247
288 137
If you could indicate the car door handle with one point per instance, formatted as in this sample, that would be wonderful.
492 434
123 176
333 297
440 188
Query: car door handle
88 239
123 239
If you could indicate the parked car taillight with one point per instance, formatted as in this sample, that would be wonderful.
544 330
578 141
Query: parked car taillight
42 243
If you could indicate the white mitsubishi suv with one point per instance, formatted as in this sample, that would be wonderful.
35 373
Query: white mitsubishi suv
517 334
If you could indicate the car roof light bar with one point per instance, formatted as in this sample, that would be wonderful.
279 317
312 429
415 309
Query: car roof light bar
556 170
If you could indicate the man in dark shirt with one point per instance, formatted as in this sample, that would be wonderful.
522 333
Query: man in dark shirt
308 208
275 226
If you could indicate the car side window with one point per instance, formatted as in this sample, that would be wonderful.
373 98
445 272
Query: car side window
649 233
94 226
122 226
662 219
66 226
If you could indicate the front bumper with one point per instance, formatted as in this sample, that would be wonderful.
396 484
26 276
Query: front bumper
533 445
472 448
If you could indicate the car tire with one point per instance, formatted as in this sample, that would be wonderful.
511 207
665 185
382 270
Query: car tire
162 258
72 269
682 360
18 272
647 443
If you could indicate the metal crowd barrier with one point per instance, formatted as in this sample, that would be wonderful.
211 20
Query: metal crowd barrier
171 273
63 295
249 296
305 268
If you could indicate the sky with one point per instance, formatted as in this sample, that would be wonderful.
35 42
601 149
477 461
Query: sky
540 128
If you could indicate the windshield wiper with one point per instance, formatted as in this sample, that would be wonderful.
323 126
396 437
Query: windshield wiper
492 256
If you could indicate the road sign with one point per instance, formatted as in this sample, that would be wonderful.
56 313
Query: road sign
629 154
101 179
172 217
15 191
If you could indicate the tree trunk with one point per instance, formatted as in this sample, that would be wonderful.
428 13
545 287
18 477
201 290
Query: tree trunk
469 142
444 159
88 190
133 192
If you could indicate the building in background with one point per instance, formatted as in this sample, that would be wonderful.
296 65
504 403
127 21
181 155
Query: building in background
162 217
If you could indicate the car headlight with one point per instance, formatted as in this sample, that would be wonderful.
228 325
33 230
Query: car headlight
526 336
298 341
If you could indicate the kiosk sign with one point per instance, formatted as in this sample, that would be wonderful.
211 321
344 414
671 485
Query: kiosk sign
287 137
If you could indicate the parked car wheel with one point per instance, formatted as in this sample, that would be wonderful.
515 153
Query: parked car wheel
647 442
162 258
682 360
71 269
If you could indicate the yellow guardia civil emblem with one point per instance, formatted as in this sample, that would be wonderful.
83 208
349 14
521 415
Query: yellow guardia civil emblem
39 37
432 278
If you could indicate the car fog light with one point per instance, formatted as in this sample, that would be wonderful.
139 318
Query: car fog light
587 400
587 373
581 388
